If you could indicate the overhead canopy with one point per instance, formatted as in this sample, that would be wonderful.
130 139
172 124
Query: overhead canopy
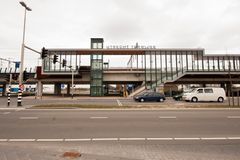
115 51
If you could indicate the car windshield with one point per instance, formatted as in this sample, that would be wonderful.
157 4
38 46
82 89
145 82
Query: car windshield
193 90
143 94
189 91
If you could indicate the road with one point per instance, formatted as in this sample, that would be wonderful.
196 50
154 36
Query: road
80 124
120 135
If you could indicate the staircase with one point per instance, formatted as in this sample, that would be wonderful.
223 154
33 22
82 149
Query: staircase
138 90
167 79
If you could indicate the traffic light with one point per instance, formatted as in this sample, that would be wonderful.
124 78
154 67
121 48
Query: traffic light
44 53
17 64
25 75
55 59
64 62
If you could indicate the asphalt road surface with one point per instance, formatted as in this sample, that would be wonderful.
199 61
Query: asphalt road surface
79 124
120 135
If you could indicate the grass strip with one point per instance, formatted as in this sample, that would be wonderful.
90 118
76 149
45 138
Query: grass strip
73 106
89 106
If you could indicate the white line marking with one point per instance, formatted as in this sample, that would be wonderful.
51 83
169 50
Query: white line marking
105 139
6 113
167 117
21 140
214 138
50 140
233 138
159 139
186 138
118 139
132 139
28 118
232 117
119 103
98 117
76 140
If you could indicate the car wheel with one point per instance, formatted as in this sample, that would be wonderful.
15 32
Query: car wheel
161 100
220 99
194 99
141 100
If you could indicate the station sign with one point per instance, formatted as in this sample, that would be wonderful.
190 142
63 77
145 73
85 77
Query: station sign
131 47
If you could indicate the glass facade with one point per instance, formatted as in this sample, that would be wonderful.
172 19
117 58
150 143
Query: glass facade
71 57
96 84
168 65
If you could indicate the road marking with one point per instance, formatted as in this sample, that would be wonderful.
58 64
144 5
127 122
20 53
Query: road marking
233 138
132 139
98 117
159 139
119 103
233 117
167 117
19 109
28 118
186 138
50 140
214 138
105 139
119 139
21 140
77 140
6 113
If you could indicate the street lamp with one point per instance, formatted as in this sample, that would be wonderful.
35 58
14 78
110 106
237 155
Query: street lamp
26 8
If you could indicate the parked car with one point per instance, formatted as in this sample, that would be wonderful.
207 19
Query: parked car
179 97
150 96
205 94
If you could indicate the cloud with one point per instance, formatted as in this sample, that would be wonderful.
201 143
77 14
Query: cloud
211 24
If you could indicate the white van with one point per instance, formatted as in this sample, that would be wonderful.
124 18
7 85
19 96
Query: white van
205 94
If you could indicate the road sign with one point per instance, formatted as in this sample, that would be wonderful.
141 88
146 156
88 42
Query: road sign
21 87
62 86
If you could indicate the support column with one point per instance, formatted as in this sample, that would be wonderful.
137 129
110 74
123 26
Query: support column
68 89
57 88
4 93
222 85
39 89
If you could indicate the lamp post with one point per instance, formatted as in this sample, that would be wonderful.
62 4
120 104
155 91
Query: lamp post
26 8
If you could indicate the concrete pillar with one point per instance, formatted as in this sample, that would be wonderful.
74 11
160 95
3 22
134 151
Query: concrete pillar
39 88
57 88
68 89
228 89
5 88
222 85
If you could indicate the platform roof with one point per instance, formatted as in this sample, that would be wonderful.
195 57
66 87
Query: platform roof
117 51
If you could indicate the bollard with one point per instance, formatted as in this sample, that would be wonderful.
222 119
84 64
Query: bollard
9 95
19 101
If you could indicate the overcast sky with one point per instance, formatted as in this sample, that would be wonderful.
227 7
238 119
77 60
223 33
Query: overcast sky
210 24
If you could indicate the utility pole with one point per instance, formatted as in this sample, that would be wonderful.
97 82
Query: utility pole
26 8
